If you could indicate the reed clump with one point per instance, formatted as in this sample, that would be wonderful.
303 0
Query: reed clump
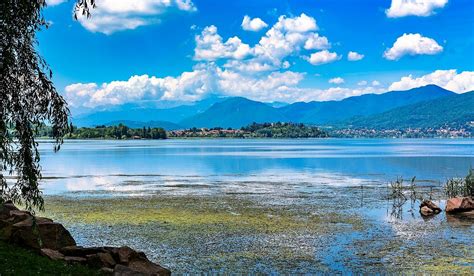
460 187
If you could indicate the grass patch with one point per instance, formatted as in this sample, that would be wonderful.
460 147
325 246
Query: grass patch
19 261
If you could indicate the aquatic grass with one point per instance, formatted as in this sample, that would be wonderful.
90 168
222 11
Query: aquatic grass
209 232
232 213
455 187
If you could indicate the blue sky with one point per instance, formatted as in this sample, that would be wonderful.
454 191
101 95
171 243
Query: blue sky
183 50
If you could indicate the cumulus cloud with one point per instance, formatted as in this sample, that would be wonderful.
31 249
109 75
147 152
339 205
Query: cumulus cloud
209 46
189 86
376 83
323 57
354 56
401 8
412 44
337 80
448 79
362 83
316 42
289 36
116 15
194 85
254 25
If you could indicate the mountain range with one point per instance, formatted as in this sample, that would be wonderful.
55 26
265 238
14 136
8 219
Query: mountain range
423 106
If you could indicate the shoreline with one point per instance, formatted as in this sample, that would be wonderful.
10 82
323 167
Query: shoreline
261 138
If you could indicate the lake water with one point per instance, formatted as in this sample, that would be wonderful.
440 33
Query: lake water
103 165
264 206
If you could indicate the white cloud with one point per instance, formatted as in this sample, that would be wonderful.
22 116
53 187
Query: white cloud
188 86
254 25
323 57
117 15
400 8
412 44
316 42
250 66
337 80
205 79
54 2
354 56
448 79
362 83
209 46
273 86
289 36
298 24
376 83
285 38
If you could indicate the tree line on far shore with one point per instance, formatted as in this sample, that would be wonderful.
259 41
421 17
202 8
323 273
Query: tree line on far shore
119 132
254 130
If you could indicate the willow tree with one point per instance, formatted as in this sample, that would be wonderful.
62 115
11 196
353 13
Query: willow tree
28 99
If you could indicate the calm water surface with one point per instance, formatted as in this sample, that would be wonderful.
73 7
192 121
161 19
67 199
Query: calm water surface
103 165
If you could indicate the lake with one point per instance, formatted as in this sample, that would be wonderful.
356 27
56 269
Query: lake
263 206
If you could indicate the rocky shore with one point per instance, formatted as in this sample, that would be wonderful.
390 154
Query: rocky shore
53 240
455 205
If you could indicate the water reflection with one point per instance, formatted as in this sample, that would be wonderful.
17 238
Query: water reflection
95 165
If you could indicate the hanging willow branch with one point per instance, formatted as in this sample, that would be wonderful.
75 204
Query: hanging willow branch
28 99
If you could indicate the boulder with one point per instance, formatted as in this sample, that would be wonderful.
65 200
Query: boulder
459 204
52 240
5 209
429 208
101 260
426 211
148 268
137 262
52 254
126 254
75 260
79 251
44 233
430 204
121 270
